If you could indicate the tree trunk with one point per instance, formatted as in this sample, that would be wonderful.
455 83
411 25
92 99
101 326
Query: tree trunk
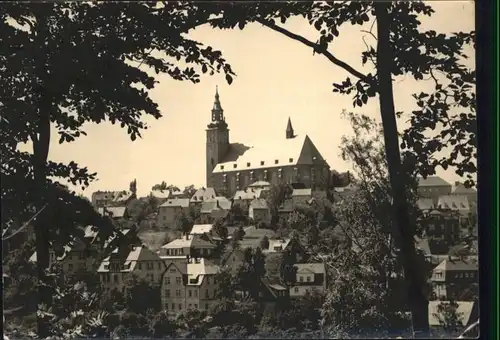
40 154
403 230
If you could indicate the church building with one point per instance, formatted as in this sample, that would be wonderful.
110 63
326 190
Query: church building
287 160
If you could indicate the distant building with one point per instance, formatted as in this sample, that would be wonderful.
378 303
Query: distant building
461 190
111 198
262 185
234 166
189 245
259 211
442 224
115 213
202 195
456 279
433 187
468 312
117 270
170 209
214 209
189 285
243 198
311 277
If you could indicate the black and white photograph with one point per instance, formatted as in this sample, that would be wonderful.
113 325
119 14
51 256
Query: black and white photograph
225 169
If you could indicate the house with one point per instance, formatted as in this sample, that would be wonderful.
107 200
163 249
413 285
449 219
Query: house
285 210
272 291
170 209
202 195
189 285
442 225
215 208
456 203
200 229
433 187
468 312
188 245
263 185
301 196
311 277
259 211
118 270
460 190
243 198
456 278
115 213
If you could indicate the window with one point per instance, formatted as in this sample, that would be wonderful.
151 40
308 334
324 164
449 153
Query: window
167 280
81 256
166 306
196 306
276 161
308 279
189 293
222 167
167 293
70 266
214 280
151 265
189 306
301 279
178 280
235 166
115 278
195 293
178 293
290 160
206 294
159 265
206 306
248 164
208 280
262 163
173 306
296 289
139 266
180 306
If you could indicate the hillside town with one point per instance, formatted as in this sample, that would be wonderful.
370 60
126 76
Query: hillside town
262 223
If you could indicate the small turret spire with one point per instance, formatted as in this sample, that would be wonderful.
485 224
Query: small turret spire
289 129
217 111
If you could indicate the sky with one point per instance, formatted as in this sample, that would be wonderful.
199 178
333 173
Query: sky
276 78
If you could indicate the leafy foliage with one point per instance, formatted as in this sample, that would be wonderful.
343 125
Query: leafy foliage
449 317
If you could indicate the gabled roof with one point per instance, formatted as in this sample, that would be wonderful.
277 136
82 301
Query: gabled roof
260 184
247 195
215 203
200 229
460 189
287 152
454 202
114 212
203 194
131 259
162 194
302 192
176 202
432 181
425 203
316 268
187 242
281 244
122 196
470 263
464 309
259 203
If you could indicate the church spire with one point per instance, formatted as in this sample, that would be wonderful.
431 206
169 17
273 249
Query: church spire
217 111
289 129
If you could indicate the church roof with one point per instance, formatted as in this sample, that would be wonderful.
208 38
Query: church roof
279 153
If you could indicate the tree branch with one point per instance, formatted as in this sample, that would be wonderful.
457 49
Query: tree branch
318 48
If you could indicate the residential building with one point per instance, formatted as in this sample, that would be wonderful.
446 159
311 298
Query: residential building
107 198
467 311
189 285
259 211
233 166
442 224
262 185
243 198
188 245
170 209
460 190
116 213
117 271
214 209
456 279
201 195
311 277
301 196
201 229
433 187
285 210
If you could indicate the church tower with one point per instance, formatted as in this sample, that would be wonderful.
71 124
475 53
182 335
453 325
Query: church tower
217 139
289 129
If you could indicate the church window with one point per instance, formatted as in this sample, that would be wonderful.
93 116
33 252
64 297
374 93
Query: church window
235 165
276 161
290 160
262 163
248 164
